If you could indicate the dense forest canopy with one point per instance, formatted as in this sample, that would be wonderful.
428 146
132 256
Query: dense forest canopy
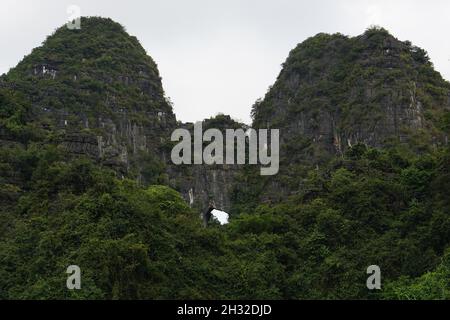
137 238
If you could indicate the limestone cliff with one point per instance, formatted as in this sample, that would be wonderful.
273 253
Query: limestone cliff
95 92
339 91
335 92
98 93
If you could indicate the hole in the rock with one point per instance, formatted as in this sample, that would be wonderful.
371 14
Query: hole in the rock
220 216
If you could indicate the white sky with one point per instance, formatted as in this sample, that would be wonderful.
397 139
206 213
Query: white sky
221 55
221 216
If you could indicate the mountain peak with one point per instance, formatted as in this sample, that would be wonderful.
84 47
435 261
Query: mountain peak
337 91
101 58
101 47
98 92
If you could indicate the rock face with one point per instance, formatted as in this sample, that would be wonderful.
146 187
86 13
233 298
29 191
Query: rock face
337 91
99 93
95 92
201 184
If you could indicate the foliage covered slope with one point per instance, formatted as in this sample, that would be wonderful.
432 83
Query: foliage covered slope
386 205
372 207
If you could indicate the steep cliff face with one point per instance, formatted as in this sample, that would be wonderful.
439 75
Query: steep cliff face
202 184
337 91
91 100
97 93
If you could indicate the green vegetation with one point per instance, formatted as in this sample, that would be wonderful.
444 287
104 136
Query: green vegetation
308 233
91 72
132 242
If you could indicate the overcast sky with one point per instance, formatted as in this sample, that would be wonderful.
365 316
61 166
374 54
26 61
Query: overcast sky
221 55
